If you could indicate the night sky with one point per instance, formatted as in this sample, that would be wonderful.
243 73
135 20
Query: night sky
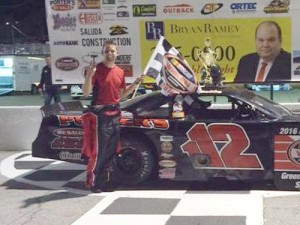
28 16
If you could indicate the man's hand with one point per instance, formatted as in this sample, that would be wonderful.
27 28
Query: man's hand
87 85
140 79
90 71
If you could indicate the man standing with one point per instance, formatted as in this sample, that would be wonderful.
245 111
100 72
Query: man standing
49 90
107 82
270 62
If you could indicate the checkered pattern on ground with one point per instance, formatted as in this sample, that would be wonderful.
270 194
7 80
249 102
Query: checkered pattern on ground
140 207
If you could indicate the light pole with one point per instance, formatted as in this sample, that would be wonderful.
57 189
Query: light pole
13 27
12 35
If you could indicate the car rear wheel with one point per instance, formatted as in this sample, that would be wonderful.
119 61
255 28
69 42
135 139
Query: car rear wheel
135 163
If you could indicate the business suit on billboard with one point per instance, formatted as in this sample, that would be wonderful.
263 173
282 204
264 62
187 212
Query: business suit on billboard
280 69
270 62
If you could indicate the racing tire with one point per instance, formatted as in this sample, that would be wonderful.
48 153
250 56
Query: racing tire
135 163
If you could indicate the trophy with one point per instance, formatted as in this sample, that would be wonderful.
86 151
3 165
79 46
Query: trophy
210 71
91 60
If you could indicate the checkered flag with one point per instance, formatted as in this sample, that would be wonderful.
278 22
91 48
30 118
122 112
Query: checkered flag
155 65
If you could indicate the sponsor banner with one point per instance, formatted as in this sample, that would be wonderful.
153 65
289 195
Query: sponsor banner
231 39
77 28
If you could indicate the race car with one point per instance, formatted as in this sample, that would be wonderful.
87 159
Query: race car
187 137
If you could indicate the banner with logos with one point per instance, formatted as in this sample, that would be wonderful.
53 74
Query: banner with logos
78 28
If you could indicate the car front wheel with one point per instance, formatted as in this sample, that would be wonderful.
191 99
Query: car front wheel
135 163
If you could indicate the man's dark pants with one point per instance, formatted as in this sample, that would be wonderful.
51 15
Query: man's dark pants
108 142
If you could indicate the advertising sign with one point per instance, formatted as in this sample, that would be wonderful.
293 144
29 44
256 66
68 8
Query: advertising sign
242 33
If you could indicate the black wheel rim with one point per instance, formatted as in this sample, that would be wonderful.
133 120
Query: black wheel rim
130 161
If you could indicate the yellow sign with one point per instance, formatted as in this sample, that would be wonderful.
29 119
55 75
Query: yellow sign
230 39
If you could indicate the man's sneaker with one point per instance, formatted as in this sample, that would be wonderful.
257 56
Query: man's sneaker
107 188
95 189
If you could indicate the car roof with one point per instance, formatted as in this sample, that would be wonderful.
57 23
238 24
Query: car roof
155 99
220 91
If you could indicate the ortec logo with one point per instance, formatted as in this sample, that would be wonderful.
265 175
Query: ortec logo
243 7
211 8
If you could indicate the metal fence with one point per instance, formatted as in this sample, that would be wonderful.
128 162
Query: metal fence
24 49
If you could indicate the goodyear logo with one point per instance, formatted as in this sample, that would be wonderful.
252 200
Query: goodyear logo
210 8
67 63
144 10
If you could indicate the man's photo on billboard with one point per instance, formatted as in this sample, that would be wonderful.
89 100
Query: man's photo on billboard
270 62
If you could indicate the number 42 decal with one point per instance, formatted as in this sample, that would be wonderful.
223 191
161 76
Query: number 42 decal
224 144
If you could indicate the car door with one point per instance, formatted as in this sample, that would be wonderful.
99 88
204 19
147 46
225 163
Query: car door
216 141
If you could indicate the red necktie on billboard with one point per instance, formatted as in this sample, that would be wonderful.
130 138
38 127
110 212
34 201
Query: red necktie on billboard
260 77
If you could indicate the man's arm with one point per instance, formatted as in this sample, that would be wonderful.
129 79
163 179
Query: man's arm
42 81
87 85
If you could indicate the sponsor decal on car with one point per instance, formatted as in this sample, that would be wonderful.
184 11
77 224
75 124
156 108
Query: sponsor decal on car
166 147
66 120
294 153
67 138
286 151
64 155
146 123
167 163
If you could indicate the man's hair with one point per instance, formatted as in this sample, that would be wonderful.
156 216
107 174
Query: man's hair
271 22
109 42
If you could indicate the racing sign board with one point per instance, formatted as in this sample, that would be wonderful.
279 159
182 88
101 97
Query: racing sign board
79 28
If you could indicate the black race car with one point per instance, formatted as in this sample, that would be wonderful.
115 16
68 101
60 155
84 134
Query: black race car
188 137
